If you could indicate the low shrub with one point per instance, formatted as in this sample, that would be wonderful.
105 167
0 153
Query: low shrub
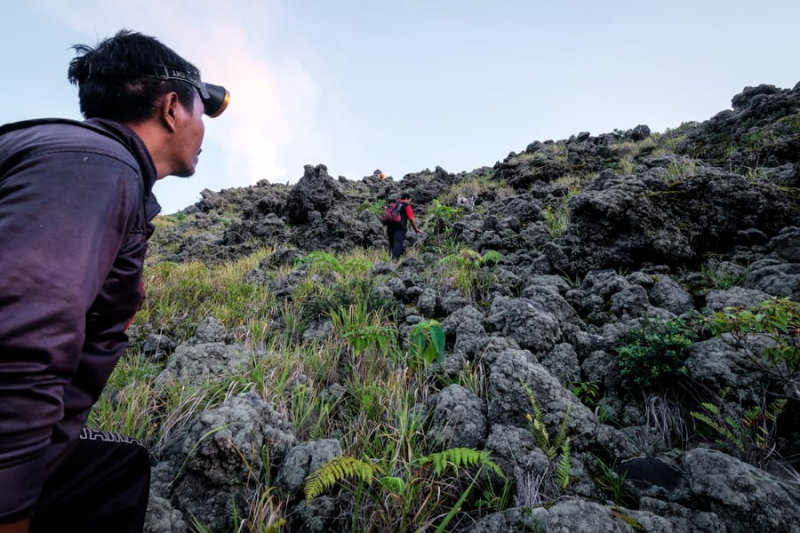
656 349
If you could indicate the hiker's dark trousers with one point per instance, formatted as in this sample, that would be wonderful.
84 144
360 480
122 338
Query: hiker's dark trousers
103 486
397 235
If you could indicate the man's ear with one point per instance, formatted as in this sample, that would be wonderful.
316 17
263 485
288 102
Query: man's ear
168 111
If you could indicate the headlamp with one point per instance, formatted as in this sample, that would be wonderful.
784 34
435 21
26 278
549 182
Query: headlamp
215 97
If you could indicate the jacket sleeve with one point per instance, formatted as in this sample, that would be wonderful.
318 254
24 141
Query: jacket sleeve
63 219
409 212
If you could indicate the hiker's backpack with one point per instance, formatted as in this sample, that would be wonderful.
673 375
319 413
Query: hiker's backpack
392 213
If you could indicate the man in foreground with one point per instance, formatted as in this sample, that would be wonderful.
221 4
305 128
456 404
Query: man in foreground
75 212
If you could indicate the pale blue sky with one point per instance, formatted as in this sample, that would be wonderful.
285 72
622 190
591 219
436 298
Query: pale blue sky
405 85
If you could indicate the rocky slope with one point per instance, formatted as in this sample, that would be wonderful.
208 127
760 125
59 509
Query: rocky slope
651 219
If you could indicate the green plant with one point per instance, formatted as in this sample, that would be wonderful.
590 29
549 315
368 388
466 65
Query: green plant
464 271
779 320
611 482
627 165
493 500
556 219
440 216
723 275
317 301
558 446
336 470
322 262
373 206
586 391
750 437
364 329
655 349
178 218
677 170
602 412
426 344
454 458
433 475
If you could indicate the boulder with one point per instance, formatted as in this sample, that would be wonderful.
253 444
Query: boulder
744 498
316 191
457 418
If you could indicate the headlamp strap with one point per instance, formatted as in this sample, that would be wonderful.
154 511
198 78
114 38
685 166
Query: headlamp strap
163 72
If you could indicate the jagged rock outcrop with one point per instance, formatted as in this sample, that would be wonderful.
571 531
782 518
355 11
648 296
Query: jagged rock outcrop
597 235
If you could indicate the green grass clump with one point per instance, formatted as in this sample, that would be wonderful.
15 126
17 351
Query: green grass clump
469 272
179 295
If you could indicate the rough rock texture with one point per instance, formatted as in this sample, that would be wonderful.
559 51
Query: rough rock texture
316 192
303 459
744 498
719 364
458 418
525 322
222 449
200 362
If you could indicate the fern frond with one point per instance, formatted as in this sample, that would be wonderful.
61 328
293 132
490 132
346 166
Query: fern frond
564 466
776 408
702 417
751 415
537 411
562 429
335 470
732 423
492 256
393 484
455 458
541 437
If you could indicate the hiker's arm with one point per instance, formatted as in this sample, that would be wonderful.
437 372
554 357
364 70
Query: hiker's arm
58 225
410 215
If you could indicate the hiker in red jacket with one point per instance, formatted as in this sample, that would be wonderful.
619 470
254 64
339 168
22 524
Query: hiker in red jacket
76 206
396 232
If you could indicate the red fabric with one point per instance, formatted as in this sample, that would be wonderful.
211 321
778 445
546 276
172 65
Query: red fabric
409 212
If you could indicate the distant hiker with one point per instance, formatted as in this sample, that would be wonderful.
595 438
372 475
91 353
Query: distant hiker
380 175
396 231
75 215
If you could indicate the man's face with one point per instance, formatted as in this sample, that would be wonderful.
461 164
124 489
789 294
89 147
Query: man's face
189 139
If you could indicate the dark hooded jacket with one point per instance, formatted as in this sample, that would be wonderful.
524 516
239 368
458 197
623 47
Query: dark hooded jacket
75 212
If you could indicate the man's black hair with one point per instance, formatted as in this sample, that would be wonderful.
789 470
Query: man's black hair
405 196
115 78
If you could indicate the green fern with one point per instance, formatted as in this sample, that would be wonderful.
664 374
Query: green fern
393 484
540 436
561 436
564 466
491 257
539 431
323 261
336 470
537 411
457 457
750 438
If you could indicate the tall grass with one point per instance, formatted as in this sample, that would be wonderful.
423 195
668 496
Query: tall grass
352 384
178 295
